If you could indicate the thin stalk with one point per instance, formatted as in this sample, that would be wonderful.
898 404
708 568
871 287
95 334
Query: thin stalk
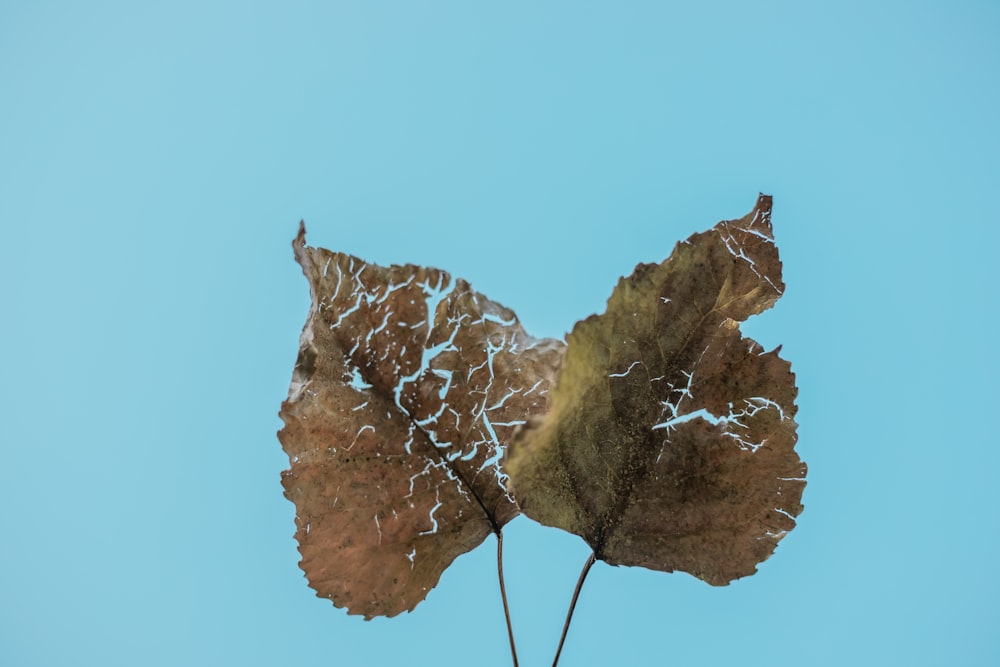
572 604
503 596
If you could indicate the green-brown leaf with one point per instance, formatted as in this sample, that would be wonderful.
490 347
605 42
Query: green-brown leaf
669 441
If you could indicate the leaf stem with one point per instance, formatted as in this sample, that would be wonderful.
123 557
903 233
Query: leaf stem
503 596
572 604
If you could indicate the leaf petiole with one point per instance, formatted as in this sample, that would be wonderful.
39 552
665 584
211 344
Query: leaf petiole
503 596
572 604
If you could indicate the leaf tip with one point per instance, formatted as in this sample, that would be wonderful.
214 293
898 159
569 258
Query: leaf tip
299 245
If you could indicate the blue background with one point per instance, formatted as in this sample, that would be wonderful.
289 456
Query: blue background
155 159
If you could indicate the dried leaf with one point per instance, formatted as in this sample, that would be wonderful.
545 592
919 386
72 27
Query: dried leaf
406 387
669 443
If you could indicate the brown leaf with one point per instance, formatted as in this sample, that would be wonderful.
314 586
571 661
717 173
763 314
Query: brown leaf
406 387
669 443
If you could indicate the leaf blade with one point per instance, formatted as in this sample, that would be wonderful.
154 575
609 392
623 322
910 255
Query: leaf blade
643 453
407 384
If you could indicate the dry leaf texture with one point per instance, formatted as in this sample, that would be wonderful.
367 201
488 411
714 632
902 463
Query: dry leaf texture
407 385
669 443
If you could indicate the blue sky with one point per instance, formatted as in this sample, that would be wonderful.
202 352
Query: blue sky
155 159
